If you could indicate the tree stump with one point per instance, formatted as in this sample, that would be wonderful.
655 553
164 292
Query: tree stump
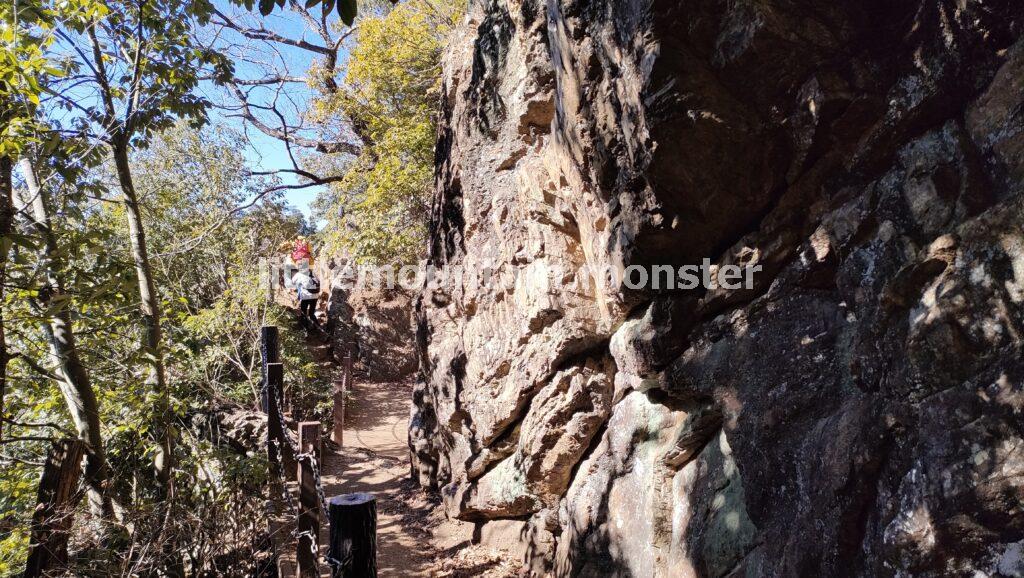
353 546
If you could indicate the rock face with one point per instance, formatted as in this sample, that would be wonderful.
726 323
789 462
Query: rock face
374 323
857 411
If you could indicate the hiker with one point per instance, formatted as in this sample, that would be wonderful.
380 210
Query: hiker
307 288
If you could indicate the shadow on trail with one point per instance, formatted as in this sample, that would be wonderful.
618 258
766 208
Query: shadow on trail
402 539
375 459
377 418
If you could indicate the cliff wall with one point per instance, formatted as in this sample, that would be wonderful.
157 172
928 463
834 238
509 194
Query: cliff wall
857 411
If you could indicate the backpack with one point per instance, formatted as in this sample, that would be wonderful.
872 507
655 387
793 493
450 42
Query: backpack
313 285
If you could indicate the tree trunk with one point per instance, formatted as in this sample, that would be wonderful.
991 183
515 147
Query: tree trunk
150 307
149 304
55 510
75 382
6 224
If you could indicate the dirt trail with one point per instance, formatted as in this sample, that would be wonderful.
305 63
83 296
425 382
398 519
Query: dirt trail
373 459
413 537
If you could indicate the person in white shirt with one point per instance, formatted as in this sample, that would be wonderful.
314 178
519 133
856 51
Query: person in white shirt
307 288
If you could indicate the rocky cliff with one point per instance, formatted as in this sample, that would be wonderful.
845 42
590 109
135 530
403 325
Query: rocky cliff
368 319
857 411
374 325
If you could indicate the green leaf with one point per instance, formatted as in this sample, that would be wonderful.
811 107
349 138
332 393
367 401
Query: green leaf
266 7
51 144
22 241
347 10
311 3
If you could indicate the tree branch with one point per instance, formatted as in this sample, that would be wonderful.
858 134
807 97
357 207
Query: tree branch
278 79
329 147
315 179
264 34
197 240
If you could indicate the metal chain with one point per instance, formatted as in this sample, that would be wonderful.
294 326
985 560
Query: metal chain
310 458
299 456
284 488
278 455
318 480
314 546
334 562
286 435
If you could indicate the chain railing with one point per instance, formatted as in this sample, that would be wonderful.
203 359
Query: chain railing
299 460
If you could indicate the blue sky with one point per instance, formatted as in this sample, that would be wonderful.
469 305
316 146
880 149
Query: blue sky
265 152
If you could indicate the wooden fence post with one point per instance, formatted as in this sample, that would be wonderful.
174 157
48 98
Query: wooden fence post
270 352
338 413
353 519
340 387
309 500
282 460
271 280
55 509
348 369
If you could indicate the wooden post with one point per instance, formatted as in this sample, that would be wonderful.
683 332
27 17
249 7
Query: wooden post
51 522
338 413
340 387
353 546
348 369
271 280
280 454
309 500
270 352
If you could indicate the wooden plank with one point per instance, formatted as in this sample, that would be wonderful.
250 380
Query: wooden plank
309 500
353 542
55 509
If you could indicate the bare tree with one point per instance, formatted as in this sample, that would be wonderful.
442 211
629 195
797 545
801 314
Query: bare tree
266 104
